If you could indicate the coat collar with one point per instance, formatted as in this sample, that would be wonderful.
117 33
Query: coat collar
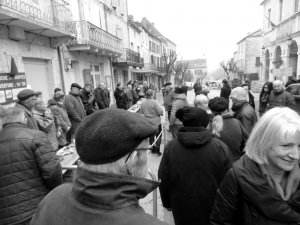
8 125
25 108
110 191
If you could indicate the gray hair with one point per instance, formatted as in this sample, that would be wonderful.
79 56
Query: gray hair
12 115
239 93
200 100
278 82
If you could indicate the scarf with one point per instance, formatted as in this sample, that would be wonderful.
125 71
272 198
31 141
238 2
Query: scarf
290 185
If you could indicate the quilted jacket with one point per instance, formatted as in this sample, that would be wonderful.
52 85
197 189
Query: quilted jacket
29 170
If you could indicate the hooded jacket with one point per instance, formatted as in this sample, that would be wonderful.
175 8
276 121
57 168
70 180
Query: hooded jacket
245 113
281 99
30 169
192 167
246 198
60 114
75 110
97 199
178 103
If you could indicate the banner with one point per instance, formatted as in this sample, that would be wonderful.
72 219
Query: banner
10 86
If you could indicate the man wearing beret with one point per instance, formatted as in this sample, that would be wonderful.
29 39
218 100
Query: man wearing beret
27 99
111 175
75 110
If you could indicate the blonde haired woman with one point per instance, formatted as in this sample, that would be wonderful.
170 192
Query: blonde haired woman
226 128
263 186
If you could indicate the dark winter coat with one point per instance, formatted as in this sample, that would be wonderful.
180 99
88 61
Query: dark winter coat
234 135
135 96
246 115
97 199
225 91
60 114
31 122
281 99
29 169
75 110
102 98
121 98
192 167
88 101
290 82
251 100
263 102
197 89
168 99
246 198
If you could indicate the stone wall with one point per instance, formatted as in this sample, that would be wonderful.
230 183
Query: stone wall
253 48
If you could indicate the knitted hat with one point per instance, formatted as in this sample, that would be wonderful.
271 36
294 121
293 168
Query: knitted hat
193 117
218 104
179 90
109 134
25 94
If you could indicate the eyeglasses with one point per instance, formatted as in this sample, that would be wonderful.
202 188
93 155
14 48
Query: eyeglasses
137 149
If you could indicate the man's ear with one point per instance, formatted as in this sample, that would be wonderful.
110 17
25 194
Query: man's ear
131 161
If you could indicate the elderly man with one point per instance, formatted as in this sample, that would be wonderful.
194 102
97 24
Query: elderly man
111 176
102 96
30 169
75 109
121 97
279 97
243 111
27 99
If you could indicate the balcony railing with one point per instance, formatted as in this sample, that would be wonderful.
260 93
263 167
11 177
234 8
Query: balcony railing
162 69
53 13
132 56
89 34
150 66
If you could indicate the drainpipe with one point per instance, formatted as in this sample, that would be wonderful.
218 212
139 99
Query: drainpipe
61 66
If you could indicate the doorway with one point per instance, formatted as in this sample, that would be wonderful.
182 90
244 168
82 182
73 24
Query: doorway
293 57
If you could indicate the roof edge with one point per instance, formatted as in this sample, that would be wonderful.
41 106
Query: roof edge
249 36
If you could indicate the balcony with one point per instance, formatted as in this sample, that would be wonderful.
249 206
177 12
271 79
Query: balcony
162 69
286 28
150 66
50 18
91 38
129 58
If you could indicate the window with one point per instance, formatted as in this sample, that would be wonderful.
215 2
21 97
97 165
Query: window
269 18
280 10
138 49
296 8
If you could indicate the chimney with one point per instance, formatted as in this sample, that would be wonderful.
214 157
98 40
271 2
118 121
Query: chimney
152 24
130 17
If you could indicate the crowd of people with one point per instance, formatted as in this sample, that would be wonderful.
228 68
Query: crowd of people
222 166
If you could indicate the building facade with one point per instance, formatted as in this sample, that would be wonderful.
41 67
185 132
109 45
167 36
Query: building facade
197 68
281 39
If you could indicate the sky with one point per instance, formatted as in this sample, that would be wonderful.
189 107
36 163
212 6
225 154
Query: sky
201 28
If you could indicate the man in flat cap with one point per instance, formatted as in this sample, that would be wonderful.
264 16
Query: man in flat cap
75 110
111 175
27 99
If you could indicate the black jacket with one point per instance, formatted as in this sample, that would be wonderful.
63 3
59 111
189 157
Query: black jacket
225 91
88 100
197 89
102 98
246 115
281 99
251 100
97 199
246 198
291 82
29 170
192 167
121 98
234 135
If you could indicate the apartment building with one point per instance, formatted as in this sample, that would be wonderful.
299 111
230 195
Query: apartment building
279 52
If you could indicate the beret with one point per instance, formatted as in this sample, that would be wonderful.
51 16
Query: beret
179 90
218 104
167 84
25 94
109 134
39 92
76 85
193 116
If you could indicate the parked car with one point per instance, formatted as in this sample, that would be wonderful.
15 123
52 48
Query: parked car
294 89
213 85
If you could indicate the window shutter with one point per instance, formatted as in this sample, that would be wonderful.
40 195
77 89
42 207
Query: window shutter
119 33
114 3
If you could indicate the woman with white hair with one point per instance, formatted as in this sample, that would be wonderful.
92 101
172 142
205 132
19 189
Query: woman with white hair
243 111
263 186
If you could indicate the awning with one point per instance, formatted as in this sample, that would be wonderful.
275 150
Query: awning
143 71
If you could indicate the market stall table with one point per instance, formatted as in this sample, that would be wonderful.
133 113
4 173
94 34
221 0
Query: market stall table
69 158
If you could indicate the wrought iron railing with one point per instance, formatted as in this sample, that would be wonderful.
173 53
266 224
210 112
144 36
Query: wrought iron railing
150 66
53 12
89 34
132 56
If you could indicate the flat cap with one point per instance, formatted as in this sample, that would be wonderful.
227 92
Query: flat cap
76 85
109 134
218 104
25 94
167 84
